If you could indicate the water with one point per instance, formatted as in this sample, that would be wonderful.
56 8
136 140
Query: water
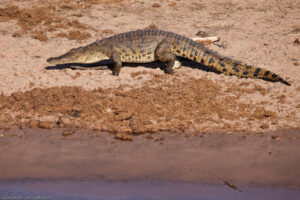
135 190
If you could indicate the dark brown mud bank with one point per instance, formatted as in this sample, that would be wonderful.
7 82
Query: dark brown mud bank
269 159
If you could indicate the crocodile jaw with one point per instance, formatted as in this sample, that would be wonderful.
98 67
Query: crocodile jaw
78 56
82 59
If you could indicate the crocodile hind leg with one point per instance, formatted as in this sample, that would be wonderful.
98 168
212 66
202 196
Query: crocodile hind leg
163 54
117 63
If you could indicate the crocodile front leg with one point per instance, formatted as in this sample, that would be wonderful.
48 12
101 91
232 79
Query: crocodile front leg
117 63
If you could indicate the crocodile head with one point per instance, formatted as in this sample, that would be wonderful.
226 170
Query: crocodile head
79 55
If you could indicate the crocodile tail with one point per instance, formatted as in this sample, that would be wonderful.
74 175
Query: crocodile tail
230 67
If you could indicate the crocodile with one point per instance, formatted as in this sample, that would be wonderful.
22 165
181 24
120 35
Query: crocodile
144 46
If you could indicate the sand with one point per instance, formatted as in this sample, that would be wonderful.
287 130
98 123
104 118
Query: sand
263 35
193 126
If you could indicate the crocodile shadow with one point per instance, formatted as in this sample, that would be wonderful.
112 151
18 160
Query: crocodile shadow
108 64
103 65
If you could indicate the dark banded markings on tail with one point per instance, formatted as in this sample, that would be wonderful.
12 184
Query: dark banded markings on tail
204 56
211 60
274 75
267 73
248 67
221 63
256 72
194 51
245 73
235 68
